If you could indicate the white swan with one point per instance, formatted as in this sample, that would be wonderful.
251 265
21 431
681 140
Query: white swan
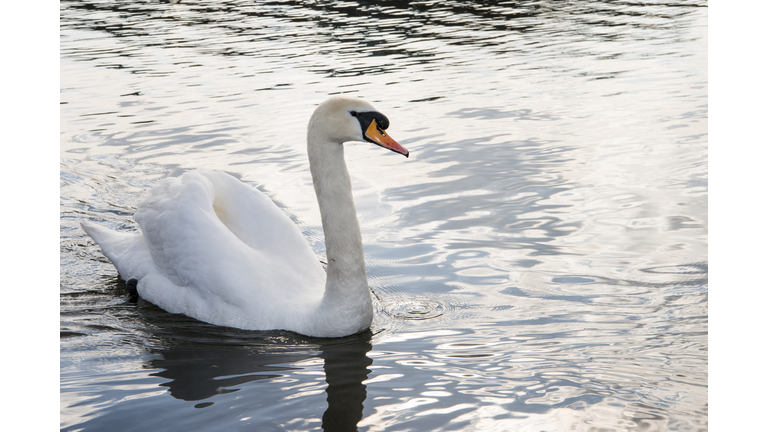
219 251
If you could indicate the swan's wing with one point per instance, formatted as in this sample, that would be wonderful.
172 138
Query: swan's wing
257 221
201 233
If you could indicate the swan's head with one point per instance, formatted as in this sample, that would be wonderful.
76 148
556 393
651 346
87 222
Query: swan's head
342 119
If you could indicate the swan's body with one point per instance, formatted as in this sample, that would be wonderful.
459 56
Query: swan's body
219 251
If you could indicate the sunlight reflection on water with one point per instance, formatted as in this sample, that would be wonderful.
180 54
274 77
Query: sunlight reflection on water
540 262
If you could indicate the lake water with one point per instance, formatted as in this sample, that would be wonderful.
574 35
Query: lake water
539 263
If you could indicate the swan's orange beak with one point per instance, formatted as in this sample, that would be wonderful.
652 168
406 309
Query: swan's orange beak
378 136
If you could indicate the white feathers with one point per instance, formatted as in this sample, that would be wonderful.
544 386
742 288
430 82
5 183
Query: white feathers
220 251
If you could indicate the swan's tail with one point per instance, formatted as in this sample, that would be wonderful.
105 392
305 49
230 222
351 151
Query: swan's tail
127 250
105 237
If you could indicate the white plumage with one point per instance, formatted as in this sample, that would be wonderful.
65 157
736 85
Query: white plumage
217 250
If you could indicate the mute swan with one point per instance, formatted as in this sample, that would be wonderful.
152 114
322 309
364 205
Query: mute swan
214 249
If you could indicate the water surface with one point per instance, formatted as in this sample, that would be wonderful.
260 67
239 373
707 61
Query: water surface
538 263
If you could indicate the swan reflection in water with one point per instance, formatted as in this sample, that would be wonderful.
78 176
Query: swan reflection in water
207 365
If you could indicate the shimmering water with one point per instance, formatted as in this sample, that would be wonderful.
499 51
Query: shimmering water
539 262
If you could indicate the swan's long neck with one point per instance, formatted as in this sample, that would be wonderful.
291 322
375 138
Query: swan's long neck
343 241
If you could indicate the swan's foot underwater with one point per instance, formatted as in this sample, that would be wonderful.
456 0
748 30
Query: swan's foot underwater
132 291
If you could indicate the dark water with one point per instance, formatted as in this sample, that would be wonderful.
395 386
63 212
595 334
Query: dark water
539 262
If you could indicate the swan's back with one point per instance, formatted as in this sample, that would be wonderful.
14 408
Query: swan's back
213 244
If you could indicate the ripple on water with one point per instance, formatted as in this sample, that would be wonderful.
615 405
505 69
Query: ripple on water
416 309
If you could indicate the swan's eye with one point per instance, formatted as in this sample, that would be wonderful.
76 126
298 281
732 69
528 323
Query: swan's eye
353 113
